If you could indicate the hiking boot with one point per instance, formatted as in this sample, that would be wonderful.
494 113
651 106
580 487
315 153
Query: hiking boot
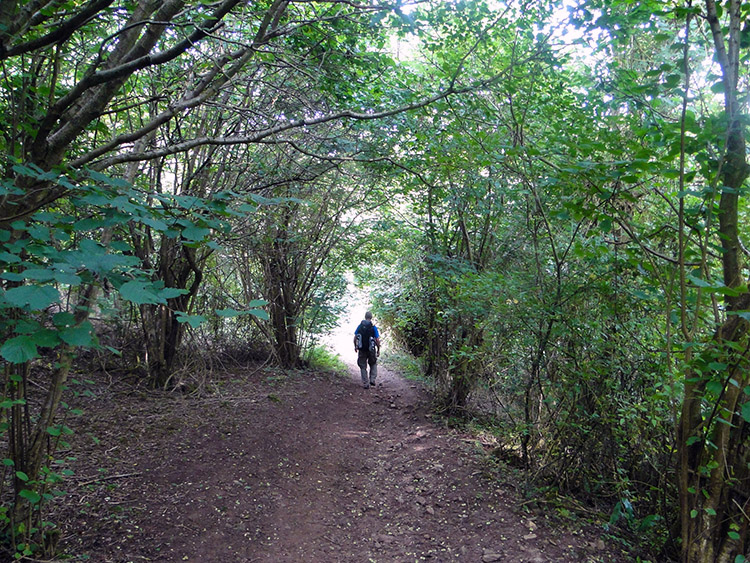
365 386
372 384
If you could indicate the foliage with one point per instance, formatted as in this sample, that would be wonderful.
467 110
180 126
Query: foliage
552 214
607 277
319 357
195 110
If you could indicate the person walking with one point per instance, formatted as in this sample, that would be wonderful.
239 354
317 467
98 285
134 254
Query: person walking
367 346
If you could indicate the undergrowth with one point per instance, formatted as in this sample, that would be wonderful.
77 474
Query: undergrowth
617 522
407 365
320 357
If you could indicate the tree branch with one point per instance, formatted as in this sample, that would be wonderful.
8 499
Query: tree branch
62 33
271 131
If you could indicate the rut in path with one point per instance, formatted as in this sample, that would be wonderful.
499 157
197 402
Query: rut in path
306 467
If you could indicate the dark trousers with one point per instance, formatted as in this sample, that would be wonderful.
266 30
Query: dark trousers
365 357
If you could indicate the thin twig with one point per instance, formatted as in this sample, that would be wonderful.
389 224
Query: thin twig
109 478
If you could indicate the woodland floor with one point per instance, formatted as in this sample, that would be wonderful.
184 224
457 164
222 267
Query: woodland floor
302 467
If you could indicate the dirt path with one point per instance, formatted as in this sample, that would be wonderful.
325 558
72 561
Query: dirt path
305 467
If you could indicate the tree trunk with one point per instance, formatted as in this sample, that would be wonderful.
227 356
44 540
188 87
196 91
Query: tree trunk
283 310
286 337
714 481
179 268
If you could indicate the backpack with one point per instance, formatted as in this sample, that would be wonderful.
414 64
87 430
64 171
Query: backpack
366 336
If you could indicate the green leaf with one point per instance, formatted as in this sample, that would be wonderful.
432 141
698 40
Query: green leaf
228 312
88 224
648 522
46 338
172 292
67 278
107 180
63 319
94 257
725 421
8 462
19 349
195 233
32 496
193 320
39 274
260 313
35 296
745 411
139 293
155 224
672 81
27 326
39 232
715 387
9 258
78 335
120 246
22 476
734 536
698 282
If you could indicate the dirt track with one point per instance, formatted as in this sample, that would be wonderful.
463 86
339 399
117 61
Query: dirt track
304 467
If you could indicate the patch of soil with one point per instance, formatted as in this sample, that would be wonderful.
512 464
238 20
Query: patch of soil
293 467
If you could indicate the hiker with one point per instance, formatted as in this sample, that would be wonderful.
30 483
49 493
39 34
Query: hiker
367 346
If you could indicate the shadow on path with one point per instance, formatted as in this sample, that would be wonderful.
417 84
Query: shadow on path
300 467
